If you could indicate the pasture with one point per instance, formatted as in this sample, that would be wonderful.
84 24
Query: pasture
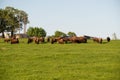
85 61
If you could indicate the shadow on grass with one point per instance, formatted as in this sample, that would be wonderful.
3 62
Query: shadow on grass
105 42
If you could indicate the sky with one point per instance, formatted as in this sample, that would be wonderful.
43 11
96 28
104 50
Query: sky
98 18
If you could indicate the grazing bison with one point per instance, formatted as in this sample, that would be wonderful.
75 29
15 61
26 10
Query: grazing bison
14 41
108 39
30 40
78 39
41 39
98 40
82 39
60 41
66 39
74 39
53 40
35 39
7 40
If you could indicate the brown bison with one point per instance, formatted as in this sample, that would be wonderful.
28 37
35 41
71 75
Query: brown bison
14 41
35 39
74 39
82 39
98 40
78 39
66 39
30 40
61 41
108 39
41 39
53 40
7 40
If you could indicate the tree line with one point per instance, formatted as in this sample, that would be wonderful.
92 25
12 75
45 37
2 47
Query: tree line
12 20
40 32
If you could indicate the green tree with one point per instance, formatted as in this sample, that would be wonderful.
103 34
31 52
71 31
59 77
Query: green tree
13 23
39 32
22 17
3 21
36 31
30 31
42 32
71 34
59 34
12 19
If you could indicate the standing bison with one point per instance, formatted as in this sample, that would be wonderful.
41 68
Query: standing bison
54 40
74 39
30 40
108 39
98 40
14 41
7 40
78 39
35 39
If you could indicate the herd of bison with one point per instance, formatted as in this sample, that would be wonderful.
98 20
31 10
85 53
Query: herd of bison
60 40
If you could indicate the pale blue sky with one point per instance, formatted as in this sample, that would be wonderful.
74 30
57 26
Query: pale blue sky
100 18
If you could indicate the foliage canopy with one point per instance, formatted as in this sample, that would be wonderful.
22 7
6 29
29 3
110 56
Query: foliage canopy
12 20
59 34
35 31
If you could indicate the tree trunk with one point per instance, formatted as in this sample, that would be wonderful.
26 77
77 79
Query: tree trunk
12 33
24 28
3 36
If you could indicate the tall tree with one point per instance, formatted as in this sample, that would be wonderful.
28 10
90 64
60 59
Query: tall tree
3 21
13 23
22 17
12 19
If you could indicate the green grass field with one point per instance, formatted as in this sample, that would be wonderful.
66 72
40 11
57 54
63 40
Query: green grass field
90 61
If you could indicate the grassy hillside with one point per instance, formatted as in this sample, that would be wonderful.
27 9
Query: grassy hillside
90 61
